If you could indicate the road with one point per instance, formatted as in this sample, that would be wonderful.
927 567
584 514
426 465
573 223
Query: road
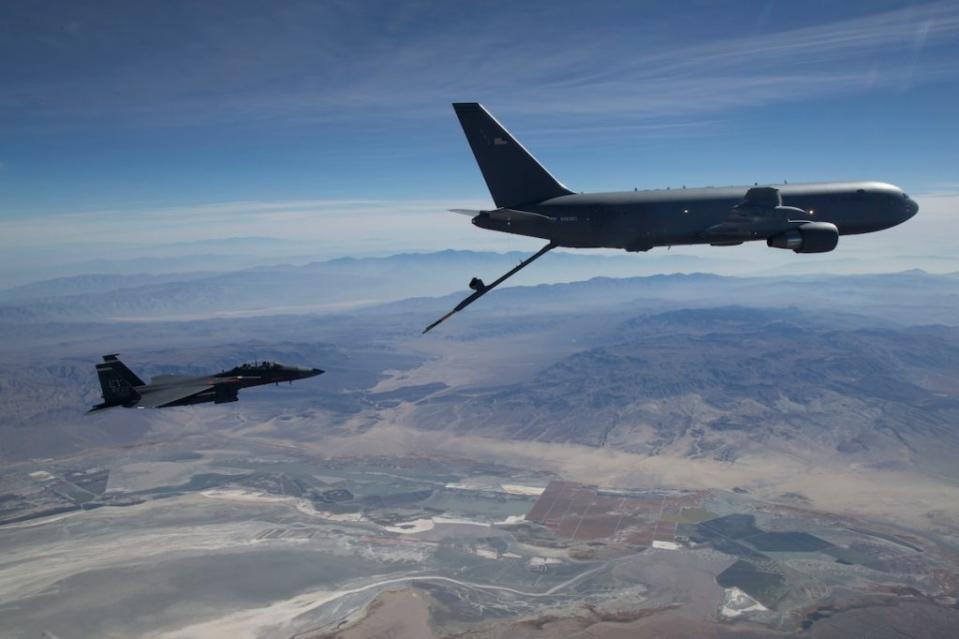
330 597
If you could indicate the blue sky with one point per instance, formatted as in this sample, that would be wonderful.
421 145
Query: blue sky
113 111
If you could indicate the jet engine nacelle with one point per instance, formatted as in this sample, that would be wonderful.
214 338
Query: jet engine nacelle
811 237
225 396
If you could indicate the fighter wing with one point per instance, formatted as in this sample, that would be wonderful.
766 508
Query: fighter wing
171 394
170 379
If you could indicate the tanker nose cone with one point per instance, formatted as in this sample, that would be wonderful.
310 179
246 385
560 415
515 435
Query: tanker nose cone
898 208
912 207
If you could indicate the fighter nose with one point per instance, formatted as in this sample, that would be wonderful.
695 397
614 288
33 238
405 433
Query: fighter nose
303 373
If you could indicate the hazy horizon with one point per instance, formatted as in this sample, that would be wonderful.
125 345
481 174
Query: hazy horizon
232 236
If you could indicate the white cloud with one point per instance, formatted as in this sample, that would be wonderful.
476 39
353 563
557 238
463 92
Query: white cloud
330 228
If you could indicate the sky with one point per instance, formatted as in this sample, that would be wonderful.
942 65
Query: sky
177 121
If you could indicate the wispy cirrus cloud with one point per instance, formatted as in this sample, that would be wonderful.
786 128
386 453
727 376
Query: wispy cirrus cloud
780 64
330 61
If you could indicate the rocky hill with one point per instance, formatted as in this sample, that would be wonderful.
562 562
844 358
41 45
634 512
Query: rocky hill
723 381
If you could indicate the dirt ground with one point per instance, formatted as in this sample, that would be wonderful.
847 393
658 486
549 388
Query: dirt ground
399 614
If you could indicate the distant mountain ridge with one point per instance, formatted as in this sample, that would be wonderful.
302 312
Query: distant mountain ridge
724 382
349 281
856 369
93 283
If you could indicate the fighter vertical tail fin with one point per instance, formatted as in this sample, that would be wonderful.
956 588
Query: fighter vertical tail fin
117 382
513 176
122 370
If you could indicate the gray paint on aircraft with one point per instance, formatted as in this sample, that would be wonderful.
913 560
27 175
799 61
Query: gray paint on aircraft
122 387
807 218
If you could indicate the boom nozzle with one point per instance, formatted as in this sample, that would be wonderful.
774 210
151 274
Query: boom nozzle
480 288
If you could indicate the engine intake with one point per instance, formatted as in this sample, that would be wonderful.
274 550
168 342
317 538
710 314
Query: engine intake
225 395
811 237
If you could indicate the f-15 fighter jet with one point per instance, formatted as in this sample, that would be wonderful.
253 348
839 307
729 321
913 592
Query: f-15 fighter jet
122 387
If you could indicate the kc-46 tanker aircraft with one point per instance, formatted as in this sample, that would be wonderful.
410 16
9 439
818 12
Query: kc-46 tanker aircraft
806 218
122 387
